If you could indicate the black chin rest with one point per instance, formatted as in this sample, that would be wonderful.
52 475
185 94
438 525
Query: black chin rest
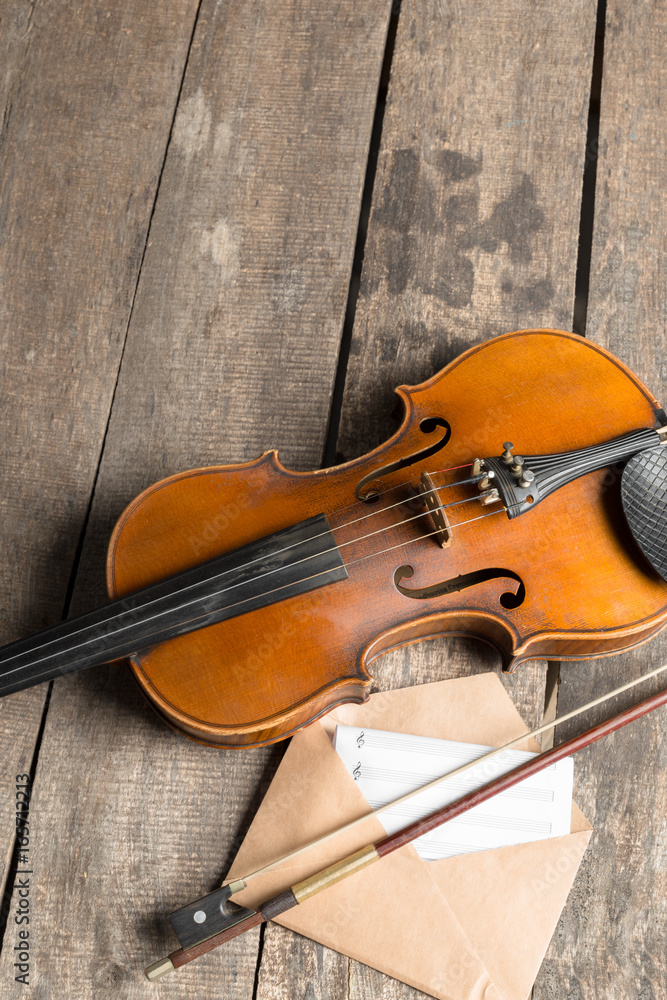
644 496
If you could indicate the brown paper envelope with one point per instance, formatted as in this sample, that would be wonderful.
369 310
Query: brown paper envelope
474 926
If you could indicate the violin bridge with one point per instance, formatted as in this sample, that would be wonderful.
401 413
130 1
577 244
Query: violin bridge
443 531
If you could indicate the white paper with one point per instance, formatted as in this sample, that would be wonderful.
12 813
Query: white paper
386 765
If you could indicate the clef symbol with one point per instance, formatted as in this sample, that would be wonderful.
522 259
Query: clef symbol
360 739
356 774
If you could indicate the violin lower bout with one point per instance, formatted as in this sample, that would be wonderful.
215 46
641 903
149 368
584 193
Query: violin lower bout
259 677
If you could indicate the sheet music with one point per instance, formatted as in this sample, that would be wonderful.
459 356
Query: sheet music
385 765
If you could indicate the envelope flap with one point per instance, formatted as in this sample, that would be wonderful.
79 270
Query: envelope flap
391 916
509 902
310 795
474 709
444 926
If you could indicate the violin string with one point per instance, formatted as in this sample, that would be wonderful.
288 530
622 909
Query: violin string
397 486
390 548
399 503
353 562
258 559
217 593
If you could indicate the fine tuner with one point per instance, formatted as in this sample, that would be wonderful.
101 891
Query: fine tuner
520 483
521 475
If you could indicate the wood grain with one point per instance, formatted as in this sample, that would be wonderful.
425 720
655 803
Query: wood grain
474 224
473 232
288 960
231 348
86 99
611 939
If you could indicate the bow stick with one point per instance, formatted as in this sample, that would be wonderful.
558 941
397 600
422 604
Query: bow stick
235 920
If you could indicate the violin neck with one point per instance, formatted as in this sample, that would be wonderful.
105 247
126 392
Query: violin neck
258 574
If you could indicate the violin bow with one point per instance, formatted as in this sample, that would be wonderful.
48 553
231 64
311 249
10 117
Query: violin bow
230 920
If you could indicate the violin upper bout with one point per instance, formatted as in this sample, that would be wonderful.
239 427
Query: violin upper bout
546 390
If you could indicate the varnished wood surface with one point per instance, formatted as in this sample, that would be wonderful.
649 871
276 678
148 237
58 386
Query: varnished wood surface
178 259
264 674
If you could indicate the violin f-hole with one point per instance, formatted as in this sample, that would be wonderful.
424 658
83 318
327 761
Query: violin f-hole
508 600
363 491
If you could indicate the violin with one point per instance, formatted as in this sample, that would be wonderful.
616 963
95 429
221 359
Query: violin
522 501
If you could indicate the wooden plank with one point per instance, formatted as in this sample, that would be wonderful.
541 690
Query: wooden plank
474 225
232 348
473 193
473 232
86 102
289 959
611 939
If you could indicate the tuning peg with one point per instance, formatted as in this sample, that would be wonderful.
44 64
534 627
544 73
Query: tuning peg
526 479
517 465
507 457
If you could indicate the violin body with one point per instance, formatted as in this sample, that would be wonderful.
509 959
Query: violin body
565 580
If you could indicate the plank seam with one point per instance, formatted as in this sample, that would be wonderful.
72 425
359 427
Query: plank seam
584 254
330 456
79 549
587 216
260 952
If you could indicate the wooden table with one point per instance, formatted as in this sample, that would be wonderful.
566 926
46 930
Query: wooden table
181 240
